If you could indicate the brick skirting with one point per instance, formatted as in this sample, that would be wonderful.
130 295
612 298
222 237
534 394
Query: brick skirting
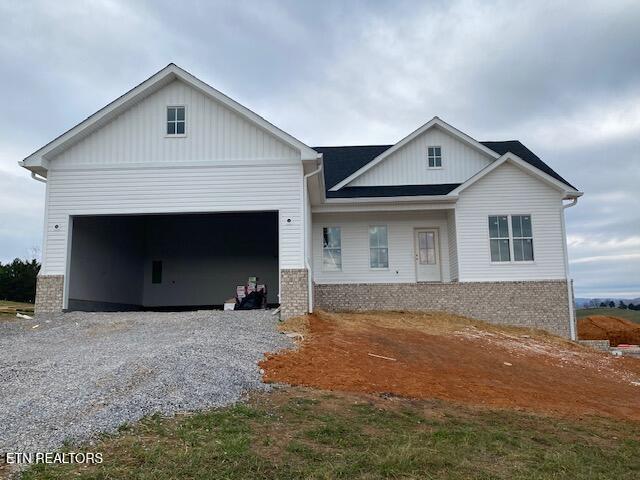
539 304
293 292
49 293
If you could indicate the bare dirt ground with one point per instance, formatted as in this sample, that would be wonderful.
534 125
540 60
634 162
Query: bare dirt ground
616 330
437 355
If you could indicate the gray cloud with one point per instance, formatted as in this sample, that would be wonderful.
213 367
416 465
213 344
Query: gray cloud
563 77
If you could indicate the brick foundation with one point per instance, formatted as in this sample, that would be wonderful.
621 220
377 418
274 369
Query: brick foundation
538 304
293 293
49 293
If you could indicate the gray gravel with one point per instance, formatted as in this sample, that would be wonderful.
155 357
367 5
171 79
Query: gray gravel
78 373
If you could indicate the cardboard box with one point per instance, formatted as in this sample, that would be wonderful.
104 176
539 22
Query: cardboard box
230 306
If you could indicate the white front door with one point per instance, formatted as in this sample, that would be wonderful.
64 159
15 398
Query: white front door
427 248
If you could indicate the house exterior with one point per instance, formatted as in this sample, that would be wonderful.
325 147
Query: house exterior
173 194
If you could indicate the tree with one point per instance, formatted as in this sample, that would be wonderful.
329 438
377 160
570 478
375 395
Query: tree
632 307
621 305
603 305
611 304
18 280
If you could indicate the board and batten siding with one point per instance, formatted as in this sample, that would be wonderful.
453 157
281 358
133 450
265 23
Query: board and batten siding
225 163
138 135
408 165
509 190
355 245
174 190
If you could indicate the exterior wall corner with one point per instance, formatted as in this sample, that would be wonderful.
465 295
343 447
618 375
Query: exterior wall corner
49 294
294 298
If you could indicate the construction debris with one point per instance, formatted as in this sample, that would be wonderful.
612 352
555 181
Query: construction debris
381 356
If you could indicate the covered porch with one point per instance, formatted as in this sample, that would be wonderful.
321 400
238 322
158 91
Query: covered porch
399 246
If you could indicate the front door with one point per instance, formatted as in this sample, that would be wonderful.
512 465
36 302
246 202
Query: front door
427 255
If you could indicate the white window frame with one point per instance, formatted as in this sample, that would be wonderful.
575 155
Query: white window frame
378 248
324 267
514 238
511 238
434 157
176 121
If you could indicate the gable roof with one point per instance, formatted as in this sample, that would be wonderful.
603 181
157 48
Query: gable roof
342 162
38 160
435 122
525 166
518 149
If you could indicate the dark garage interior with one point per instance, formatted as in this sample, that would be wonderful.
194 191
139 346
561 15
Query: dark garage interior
136 262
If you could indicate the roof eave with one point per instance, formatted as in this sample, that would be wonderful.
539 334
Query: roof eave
434 122
449 198
158 80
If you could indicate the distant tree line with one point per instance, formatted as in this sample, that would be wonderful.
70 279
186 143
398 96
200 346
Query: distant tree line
18 280
597 303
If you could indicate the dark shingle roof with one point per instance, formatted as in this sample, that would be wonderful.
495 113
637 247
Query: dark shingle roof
517 148
393 191
340 162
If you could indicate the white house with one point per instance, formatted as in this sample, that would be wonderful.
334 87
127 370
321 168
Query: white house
173 194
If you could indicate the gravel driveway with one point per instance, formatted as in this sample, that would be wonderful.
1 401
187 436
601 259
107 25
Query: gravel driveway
80 373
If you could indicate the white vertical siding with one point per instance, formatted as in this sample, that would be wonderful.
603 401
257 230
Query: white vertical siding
408 166
172 190
138 135
509 190
453 248
355 245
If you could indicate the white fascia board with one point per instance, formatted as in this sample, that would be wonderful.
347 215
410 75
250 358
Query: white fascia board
530 169
434 122
168 74
306 152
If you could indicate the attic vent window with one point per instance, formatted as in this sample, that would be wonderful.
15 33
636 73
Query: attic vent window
176 123
434 155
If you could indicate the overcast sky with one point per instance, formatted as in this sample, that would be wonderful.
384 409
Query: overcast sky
563 79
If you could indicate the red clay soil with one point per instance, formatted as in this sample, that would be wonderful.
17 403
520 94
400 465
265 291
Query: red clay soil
616 330
471 363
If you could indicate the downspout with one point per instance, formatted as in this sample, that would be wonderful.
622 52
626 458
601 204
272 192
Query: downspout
572 319
33 175
305 189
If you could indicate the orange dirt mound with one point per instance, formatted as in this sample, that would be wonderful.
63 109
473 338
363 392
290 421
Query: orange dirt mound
460 360
616 330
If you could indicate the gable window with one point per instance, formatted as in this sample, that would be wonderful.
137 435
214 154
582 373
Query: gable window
378 247
434 155
511 236
331 248
176 122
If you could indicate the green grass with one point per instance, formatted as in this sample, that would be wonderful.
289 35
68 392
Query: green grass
298 433
633 315
8 309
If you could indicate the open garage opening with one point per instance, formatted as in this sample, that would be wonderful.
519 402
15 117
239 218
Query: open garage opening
170 261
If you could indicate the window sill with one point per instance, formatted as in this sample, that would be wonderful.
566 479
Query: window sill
379 269
176 136
435 168
513 262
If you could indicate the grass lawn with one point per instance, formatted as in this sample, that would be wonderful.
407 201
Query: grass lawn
8 309
305 433
633 315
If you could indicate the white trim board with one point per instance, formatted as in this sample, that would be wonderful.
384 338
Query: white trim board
518 162
38 159
434 122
